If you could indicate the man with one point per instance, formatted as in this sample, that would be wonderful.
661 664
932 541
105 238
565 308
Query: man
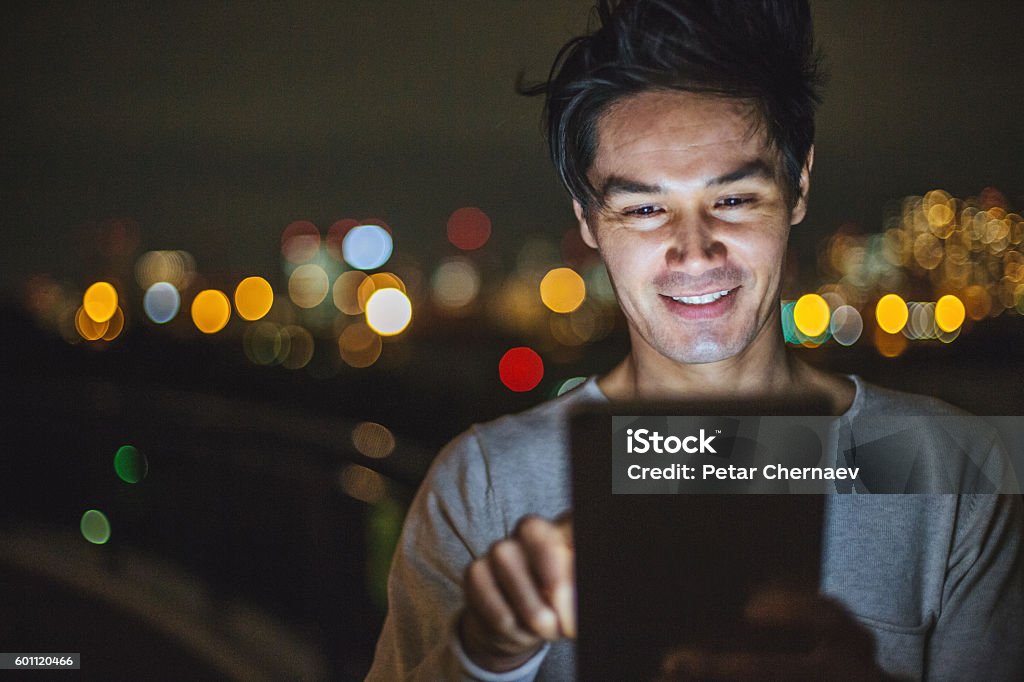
684 132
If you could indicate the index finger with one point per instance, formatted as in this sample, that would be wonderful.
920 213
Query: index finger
550 555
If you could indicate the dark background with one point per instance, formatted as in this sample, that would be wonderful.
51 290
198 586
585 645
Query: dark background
209 127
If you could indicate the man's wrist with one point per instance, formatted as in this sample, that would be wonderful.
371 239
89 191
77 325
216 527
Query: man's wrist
495 667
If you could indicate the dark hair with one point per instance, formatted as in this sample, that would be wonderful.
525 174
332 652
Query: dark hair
761 51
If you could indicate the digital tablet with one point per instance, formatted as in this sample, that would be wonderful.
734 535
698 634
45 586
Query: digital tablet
669 563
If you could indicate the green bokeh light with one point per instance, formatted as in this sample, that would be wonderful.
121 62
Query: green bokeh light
789 331
568 385
130 464
95 527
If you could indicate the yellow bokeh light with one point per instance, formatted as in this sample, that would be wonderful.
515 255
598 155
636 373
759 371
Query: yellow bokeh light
114 326
363 484
376 282
373 440
928 251
562 290
811 315
100 301
253 298
211 311
890 345
88 328
388 312
308 285
346 288
949 313
359 345
977 302
891 313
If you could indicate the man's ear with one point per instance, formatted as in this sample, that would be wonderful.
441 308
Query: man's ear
800 208
585 231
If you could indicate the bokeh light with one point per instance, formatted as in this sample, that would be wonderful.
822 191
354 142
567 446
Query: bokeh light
388 312
308 285
346 292
115 325
846 325
891 313
87 328
336 235
100 301
359 345
455 284
890 345
521 369
174 267
95 527
300 347
811 315
300 241
469 228
920 321
161 302
211 311
254 297
265 344
374 283
366 247
789 330
570 384
363 484
130 465
515 309
562 290
373 440
928 251
949 337
977 302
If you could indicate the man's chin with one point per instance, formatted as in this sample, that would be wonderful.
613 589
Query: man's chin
702 352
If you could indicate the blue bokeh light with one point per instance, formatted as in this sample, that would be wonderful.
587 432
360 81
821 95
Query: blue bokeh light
367 247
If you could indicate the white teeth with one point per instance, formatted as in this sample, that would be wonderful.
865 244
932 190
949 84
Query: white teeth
700 300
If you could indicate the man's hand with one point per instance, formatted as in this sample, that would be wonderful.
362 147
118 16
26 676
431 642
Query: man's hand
840 648
520 594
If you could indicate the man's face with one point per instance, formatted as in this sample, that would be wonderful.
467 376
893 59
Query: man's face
694 227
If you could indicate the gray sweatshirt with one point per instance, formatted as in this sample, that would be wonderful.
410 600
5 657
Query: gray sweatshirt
937 578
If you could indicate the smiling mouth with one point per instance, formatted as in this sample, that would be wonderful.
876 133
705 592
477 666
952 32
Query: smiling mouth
703 299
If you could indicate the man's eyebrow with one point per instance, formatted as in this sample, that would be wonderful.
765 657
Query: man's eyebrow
752 169
616 184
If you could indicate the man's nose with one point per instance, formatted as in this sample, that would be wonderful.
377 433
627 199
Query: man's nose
695 245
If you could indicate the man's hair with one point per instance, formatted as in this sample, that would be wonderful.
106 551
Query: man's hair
758 51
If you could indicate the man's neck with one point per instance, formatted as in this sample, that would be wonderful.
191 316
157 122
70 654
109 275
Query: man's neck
773 373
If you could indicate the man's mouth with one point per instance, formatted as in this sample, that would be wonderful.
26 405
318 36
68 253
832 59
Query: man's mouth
703 299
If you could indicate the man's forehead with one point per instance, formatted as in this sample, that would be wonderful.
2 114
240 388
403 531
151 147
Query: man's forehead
678 121
712 137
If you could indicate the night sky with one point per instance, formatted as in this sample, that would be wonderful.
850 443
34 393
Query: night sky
215 125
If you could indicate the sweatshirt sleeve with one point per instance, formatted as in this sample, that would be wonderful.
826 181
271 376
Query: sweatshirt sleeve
453 519
981 623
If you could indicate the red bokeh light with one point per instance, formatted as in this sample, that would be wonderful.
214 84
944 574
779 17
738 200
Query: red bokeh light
521 369
990 196
469 228
379 223
300 241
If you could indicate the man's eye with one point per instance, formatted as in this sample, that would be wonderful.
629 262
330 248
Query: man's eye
732 202
643 211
